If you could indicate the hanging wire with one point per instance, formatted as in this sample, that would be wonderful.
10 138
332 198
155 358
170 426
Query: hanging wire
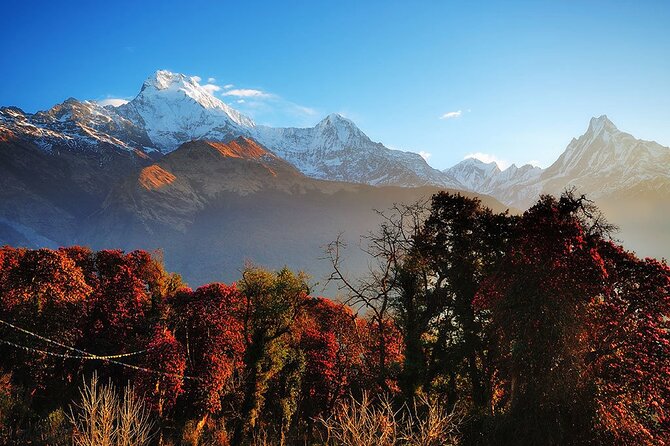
82 352
84 355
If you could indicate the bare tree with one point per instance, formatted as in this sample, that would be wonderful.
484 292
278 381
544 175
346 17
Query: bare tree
429 423
134 425
388 249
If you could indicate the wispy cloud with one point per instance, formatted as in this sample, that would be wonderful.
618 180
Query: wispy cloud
114 102
302 109
489 158
246 93
452 115
425 155
259 104
272 109
211 88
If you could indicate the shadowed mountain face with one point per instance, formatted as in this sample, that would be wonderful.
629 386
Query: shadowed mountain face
110 178
210 206
45 196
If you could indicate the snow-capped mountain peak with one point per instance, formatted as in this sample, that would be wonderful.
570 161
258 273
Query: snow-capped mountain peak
75 125
336 127
488 178
174 108
473 173
336 119
601 123
166 85
602 147
479 164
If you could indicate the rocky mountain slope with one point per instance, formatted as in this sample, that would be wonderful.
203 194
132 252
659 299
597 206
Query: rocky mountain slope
627 177
210 205
172 109
335 149
56 168
176 167
604 161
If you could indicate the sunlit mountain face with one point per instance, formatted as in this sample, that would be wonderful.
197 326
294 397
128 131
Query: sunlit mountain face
153 171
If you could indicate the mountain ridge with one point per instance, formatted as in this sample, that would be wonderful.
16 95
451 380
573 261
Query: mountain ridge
64 162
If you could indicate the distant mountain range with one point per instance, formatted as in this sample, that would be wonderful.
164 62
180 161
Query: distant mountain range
603 162
177 168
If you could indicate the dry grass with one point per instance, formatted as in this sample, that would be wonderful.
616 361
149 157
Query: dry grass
362 423
366 422
103 418
427 423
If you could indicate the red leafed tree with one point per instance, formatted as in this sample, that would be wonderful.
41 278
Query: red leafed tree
373 335
332 348
630 350
42 284
582 334
208 323
538 300
120 305
164 355
42 291
84 258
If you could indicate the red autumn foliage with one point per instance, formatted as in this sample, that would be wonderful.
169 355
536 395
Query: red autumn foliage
573 333
42 291
582 332
330 342
121 302
630 350
167 355
208 322
381 366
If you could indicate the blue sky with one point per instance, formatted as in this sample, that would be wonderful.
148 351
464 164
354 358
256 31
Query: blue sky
520 78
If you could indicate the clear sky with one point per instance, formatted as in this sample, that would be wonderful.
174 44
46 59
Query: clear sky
512 79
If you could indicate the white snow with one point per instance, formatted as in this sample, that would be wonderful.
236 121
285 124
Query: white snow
174 108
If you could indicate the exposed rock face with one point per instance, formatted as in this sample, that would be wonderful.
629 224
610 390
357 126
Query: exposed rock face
57 167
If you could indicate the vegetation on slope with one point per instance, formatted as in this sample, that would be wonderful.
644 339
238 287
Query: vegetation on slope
471 327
